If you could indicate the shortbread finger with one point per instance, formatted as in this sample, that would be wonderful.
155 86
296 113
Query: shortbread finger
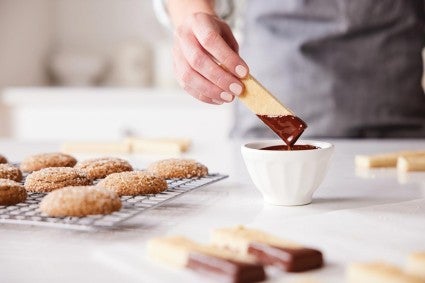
267 248
221 265
379 272
158 145
384 159
416 265
96 147
411 163
271 111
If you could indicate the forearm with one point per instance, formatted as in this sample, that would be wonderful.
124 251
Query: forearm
179 10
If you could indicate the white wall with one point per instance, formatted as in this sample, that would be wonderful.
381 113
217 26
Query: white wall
31 30
99 25
25 34
104 27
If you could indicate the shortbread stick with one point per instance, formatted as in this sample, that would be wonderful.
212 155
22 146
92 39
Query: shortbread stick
96 147
416 265
273 113
267 248
257 98
411 163
378 272
159 145
219 264
384 159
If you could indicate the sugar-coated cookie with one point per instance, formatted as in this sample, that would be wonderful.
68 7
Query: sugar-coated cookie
2 159
80 201
11 192
47 160
49 179
8 171
178 168
134 183
98 168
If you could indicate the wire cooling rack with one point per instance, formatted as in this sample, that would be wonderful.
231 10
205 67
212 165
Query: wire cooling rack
28 213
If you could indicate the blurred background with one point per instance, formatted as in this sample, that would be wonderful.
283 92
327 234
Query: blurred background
93 70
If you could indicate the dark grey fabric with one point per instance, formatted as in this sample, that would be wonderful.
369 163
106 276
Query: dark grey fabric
349 68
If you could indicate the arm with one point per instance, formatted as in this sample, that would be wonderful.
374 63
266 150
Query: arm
202 43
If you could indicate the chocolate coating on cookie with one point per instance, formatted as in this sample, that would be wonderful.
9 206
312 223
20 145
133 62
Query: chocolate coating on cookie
101 167
178 168
49 179
47 160
2 159
134 183
11 192
80 201
8 171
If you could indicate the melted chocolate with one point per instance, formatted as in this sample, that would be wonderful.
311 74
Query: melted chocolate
289 128
289 259
294 147
224 270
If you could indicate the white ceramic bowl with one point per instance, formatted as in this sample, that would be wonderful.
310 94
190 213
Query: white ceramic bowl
287 177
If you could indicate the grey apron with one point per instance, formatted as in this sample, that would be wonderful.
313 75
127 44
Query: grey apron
349 68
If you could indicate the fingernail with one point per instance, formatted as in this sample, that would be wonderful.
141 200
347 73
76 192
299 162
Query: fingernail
217 101
235 88
241 71
226 96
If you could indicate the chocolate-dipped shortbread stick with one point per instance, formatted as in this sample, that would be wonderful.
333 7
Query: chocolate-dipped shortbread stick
273 113
218 264
268 249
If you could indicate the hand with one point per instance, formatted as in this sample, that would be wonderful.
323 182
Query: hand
202 43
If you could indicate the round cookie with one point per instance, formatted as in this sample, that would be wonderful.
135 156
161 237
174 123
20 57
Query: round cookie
134 183
47 160
178 168
2 159
11 192
80 201
49 179
8 171
101 167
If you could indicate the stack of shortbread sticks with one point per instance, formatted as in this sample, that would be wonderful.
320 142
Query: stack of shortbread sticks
404 161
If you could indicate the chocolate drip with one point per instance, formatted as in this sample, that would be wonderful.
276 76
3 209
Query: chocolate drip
294 147
289 259
289 128
224 270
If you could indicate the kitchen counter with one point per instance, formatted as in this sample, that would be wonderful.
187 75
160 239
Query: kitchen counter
355 216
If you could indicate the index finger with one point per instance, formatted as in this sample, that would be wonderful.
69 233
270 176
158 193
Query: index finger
215 44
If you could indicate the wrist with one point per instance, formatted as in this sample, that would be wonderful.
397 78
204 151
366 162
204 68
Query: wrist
179 10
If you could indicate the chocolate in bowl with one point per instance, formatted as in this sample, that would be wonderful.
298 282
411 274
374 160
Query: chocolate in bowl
287 177
289 148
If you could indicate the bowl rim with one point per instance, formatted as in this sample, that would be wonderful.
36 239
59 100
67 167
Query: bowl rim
257 145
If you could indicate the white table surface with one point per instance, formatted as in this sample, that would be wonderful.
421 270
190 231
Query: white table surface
361 216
